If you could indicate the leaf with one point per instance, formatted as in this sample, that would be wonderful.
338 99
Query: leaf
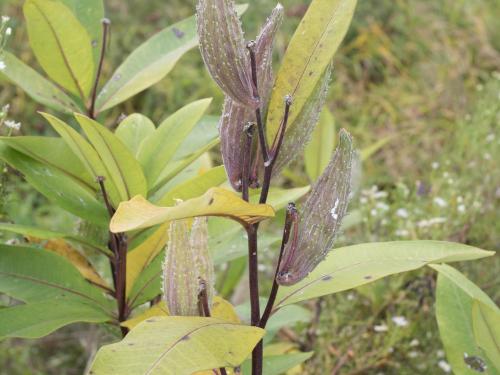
61 45
54 152
38 319
89 13
35 85
455 296
27 274
139 213
124 170
486 325
45 234
148 64
307 57
62 248
57 186
133 130
278 364
86 153
279 198
320 148
352 266
139 257
158 149
373 148
221 309
162 345
148 283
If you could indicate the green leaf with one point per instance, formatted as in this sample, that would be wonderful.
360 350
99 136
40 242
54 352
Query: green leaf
455 296
148 284
149 63
278 364
53 152
38 319
27 274
57 186
133 130
308 55
204 133
35 85
87 155
352 266
486 325
45 234
177 345
158 149
319 150
279 198
89 13
123 169
61 45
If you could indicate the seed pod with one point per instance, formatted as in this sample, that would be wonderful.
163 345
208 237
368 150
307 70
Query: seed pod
224 51
234 115
300 133
321 217
187 262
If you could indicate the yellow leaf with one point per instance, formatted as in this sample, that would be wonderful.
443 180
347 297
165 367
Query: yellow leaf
65 250
221 309
139 213
139 257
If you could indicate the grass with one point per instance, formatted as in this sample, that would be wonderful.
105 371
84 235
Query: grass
426 73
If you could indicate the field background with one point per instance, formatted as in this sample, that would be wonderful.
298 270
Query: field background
424 74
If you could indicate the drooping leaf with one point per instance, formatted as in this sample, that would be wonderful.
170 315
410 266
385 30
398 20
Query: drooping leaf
86 153
133 130
61 45
352 266
124 170
53 152
35 85
158 149
57 186
89 13
319 150
27 274
139 213
38 319
486 325
82 264
308 55
455 296
161 345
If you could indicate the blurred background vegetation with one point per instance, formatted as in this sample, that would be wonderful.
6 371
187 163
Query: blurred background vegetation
425 73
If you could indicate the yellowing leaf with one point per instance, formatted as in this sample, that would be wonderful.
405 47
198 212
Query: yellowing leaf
221 309
142 255
61 247
308 55
61 45
139 213
162 345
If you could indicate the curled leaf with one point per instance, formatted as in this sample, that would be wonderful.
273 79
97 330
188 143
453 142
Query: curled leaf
139 213
187 264
223 49
321 217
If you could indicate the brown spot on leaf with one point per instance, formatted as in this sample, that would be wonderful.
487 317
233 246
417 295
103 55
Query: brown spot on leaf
178 33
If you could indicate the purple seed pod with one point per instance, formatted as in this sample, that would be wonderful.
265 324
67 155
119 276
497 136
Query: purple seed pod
299 134
224 50
234 115
187 263
321 216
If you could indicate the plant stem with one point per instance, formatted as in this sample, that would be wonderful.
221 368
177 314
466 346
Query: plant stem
247 160
105 28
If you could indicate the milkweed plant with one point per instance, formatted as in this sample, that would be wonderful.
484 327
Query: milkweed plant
155 223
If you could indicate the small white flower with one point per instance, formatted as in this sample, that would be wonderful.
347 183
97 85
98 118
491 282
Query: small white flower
5 19
440 353
435 165
414 343
461 208
2 65
445 366
373 212
440 202
400 321
12 124
382 206
413 354
8 31
490 137
402 212
402 233
380 328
